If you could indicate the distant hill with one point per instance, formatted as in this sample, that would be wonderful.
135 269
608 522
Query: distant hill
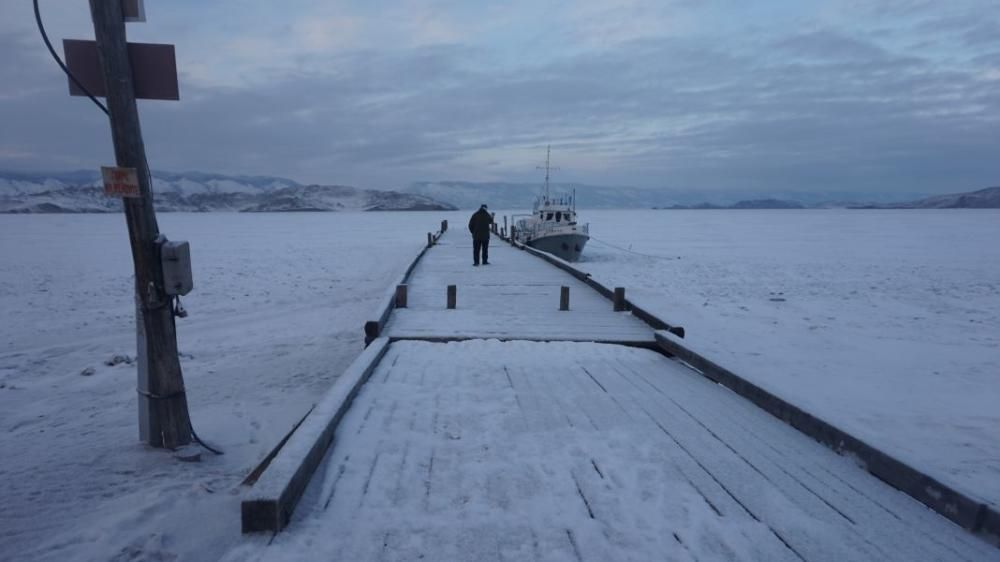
81 192
988 198
503 195
747 204
767 204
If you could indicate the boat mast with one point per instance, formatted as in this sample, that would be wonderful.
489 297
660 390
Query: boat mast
548 154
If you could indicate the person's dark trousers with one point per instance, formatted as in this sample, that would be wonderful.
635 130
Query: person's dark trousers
481 248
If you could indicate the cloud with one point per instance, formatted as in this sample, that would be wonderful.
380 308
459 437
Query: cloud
335 98
825 44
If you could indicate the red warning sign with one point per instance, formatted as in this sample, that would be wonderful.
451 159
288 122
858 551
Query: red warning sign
120 182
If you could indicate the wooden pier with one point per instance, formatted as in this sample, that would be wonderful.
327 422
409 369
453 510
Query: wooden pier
508 429
516 297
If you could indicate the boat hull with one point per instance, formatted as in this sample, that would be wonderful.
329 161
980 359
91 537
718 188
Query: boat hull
564 246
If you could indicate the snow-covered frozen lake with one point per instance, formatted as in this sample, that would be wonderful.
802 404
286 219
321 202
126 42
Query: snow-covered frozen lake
276 315
886 323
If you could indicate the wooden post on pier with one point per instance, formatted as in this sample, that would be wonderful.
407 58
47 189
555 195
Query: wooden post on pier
430 239
401 296
371 331
444 226
505 223
619 299
452 296
513 231
564 298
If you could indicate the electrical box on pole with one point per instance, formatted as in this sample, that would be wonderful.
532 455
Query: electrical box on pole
175 257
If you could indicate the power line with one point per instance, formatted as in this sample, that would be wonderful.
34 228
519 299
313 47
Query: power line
45 37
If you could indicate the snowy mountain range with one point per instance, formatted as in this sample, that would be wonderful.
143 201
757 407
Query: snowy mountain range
988 198
82 192
499 195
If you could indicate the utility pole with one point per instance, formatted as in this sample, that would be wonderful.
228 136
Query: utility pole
163 411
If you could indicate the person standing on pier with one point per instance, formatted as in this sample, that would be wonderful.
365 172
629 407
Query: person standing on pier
479 226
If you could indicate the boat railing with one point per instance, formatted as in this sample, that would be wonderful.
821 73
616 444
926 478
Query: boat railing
538 229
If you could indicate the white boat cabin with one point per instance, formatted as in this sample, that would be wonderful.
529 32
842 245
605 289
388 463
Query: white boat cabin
551 216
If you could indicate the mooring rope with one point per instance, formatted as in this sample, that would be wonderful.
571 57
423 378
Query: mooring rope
630 251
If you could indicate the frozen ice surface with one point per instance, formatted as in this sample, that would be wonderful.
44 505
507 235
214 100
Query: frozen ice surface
276 314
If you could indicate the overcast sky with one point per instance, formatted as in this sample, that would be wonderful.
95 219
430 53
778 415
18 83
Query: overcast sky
855 95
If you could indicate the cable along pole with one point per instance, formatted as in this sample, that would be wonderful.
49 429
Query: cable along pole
163 412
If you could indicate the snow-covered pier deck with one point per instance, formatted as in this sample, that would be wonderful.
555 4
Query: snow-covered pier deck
503 430
515 297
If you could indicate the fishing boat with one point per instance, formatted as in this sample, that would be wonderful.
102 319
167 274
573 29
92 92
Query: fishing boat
552 225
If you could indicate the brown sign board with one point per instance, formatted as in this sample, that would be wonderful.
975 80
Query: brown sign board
120 182
154 69
134 10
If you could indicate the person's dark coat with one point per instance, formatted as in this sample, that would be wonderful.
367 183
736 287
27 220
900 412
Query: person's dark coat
479 224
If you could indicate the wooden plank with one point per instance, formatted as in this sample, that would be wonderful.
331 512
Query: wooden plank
956 506
373 328
511 324
854 494
649 318
254 475
521 450
273 498
641 344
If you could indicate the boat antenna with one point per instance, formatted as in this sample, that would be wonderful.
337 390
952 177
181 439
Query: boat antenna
548 154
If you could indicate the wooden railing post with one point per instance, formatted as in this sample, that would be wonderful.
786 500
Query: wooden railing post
372 330
444 225
564 298
430 239
619 299
452 296
401 296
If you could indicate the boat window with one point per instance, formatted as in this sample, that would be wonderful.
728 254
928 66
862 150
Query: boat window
549 217
558 216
